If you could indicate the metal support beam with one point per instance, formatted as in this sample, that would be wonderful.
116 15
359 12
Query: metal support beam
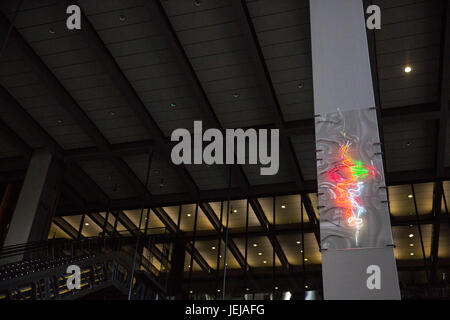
19 46
257 209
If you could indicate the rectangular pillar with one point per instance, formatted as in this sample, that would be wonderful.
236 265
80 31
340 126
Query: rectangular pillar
356 238
37 200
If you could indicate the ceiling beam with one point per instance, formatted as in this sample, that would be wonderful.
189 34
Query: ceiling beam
160 18
126 89
212 217
172 227
268 90
19 47
269 229
66 227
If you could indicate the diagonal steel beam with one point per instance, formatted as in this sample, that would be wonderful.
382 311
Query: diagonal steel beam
172 226
126 89
20 47
212 217
268 90
160 18
66 227
259 212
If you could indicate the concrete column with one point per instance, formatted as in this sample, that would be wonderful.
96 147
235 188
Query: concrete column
37 200
356 238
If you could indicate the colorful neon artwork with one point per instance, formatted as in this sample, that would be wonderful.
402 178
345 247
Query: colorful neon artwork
348 178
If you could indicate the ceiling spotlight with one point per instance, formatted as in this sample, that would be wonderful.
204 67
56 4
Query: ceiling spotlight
188 214
86 224
408 144
411 235
59 121
220 256
51 31
255 245
122 17
197 3
189 266
264 261
410 196
301 251
112 113
411 253
259 253
306 287
190 291
283 207
234 211
236 95
411 244
247 289
218 290
300 86
298 242
306 259
408 69
276 288
213 248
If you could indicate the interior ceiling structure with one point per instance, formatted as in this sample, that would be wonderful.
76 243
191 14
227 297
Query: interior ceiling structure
105 100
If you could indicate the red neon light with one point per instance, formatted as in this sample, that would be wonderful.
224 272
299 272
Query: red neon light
349 176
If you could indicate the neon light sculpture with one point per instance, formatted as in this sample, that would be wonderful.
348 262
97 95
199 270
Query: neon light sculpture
349 177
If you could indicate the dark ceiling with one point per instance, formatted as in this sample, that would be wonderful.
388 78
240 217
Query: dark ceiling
105 99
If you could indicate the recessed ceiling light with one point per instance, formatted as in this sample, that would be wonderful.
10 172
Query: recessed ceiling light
213 248
411 253
411 244
408 69
189 266
301 251
86 224
276 288
259 253
236 95
188 214
247 289
410 196
190 291
306 259
255 245
300 86
122 17
59 121
220 256
306 287
298 242
234 211
411 235
218 290
112 113
51 31
197 3
264 261
408 144
283 207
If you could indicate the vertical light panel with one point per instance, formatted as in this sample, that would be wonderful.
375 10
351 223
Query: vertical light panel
355 227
